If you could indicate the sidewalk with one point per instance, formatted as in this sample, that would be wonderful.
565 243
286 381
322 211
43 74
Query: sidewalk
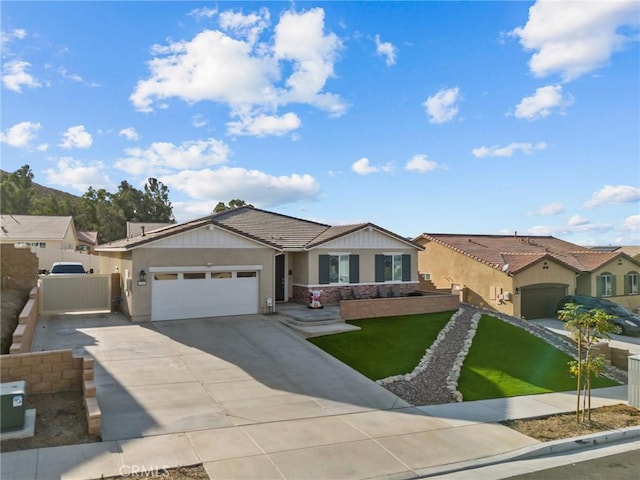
404 443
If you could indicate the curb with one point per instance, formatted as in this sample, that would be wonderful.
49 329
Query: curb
540 450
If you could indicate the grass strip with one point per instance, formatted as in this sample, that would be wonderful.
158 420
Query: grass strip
385 346
506 361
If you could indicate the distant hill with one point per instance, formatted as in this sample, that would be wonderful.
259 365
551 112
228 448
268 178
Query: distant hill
40 191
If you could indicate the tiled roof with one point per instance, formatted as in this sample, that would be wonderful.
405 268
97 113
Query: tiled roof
279 231
515 253
34 227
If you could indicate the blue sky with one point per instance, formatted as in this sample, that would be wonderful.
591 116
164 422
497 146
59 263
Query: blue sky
438 117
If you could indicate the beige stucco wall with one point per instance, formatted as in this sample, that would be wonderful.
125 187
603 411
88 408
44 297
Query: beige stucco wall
448 268
619 268
144 258
120 262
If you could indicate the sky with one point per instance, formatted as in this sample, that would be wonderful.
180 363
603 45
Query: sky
435 116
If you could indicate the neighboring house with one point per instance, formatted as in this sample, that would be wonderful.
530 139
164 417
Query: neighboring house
51 238
57 233
631 250
526 276
87 241
137 228
233 262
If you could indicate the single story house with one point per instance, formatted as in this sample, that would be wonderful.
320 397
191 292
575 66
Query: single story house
244 260
525 276
40 231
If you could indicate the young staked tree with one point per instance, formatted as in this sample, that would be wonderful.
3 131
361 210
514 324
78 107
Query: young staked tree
588 328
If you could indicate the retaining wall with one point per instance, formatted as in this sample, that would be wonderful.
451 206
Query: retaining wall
27 321
56 371
389 307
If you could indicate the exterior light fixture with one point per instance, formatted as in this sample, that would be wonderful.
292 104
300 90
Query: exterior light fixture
142 278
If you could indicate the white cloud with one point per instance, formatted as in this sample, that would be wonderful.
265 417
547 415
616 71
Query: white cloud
263 125
253 186
387 50
74 174
15 76
21 134
71 76
574 38
245 26
550 209
76 137
204 12
420 163
610 194
199 121
577 220
165 156
232 68
509 150
632 224
129 133
541 103
363 167
442 107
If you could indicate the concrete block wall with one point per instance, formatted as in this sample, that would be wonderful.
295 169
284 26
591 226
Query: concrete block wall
389 307
45 372
19 267
27 321
56 371
618 357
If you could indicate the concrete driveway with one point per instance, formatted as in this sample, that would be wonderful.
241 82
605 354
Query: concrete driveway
250 399
188 375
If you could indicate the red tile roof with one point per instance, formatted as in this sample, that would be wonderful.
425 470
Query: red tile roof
515 253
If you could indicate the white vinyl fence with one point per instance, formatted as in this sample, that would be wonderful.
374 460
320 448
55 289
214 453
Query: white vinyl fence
74 293
48 256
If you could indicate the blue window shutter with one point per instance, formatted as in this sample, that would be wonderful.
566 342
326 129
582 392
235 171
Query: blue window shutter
379 268
627 284
354 268
406 268
323 269
613 286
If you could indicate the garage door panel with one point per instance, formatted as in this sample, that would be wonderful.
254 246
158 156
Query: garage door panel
540 301
188 296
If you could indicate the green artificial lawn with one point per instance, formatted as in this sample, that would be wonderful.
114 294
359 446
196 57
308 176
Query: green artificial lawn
385 346
506 361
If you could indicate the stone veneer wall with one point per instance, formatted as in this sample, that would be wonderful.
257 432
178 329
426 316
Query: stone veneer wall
333 295
389 307
56 371
19 267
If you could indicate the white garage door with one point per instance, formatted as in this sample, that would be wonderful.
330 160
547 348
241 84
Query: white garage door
181 294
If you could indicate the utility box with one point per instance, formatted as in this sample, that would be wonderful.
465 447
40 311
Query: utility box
12 405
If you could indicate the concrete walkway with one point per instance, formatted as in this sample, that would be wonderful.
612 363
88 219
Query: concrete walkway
248 398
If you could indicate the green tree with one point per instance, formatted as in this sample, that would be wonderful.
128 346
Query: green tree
588 328
156 203
16 191
235 203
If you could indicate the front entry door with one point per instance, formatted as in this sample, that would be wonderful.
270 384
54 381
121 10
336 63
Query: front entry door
279 280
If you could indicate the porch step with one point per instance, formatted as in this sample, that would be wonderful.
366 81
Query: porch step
309 331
